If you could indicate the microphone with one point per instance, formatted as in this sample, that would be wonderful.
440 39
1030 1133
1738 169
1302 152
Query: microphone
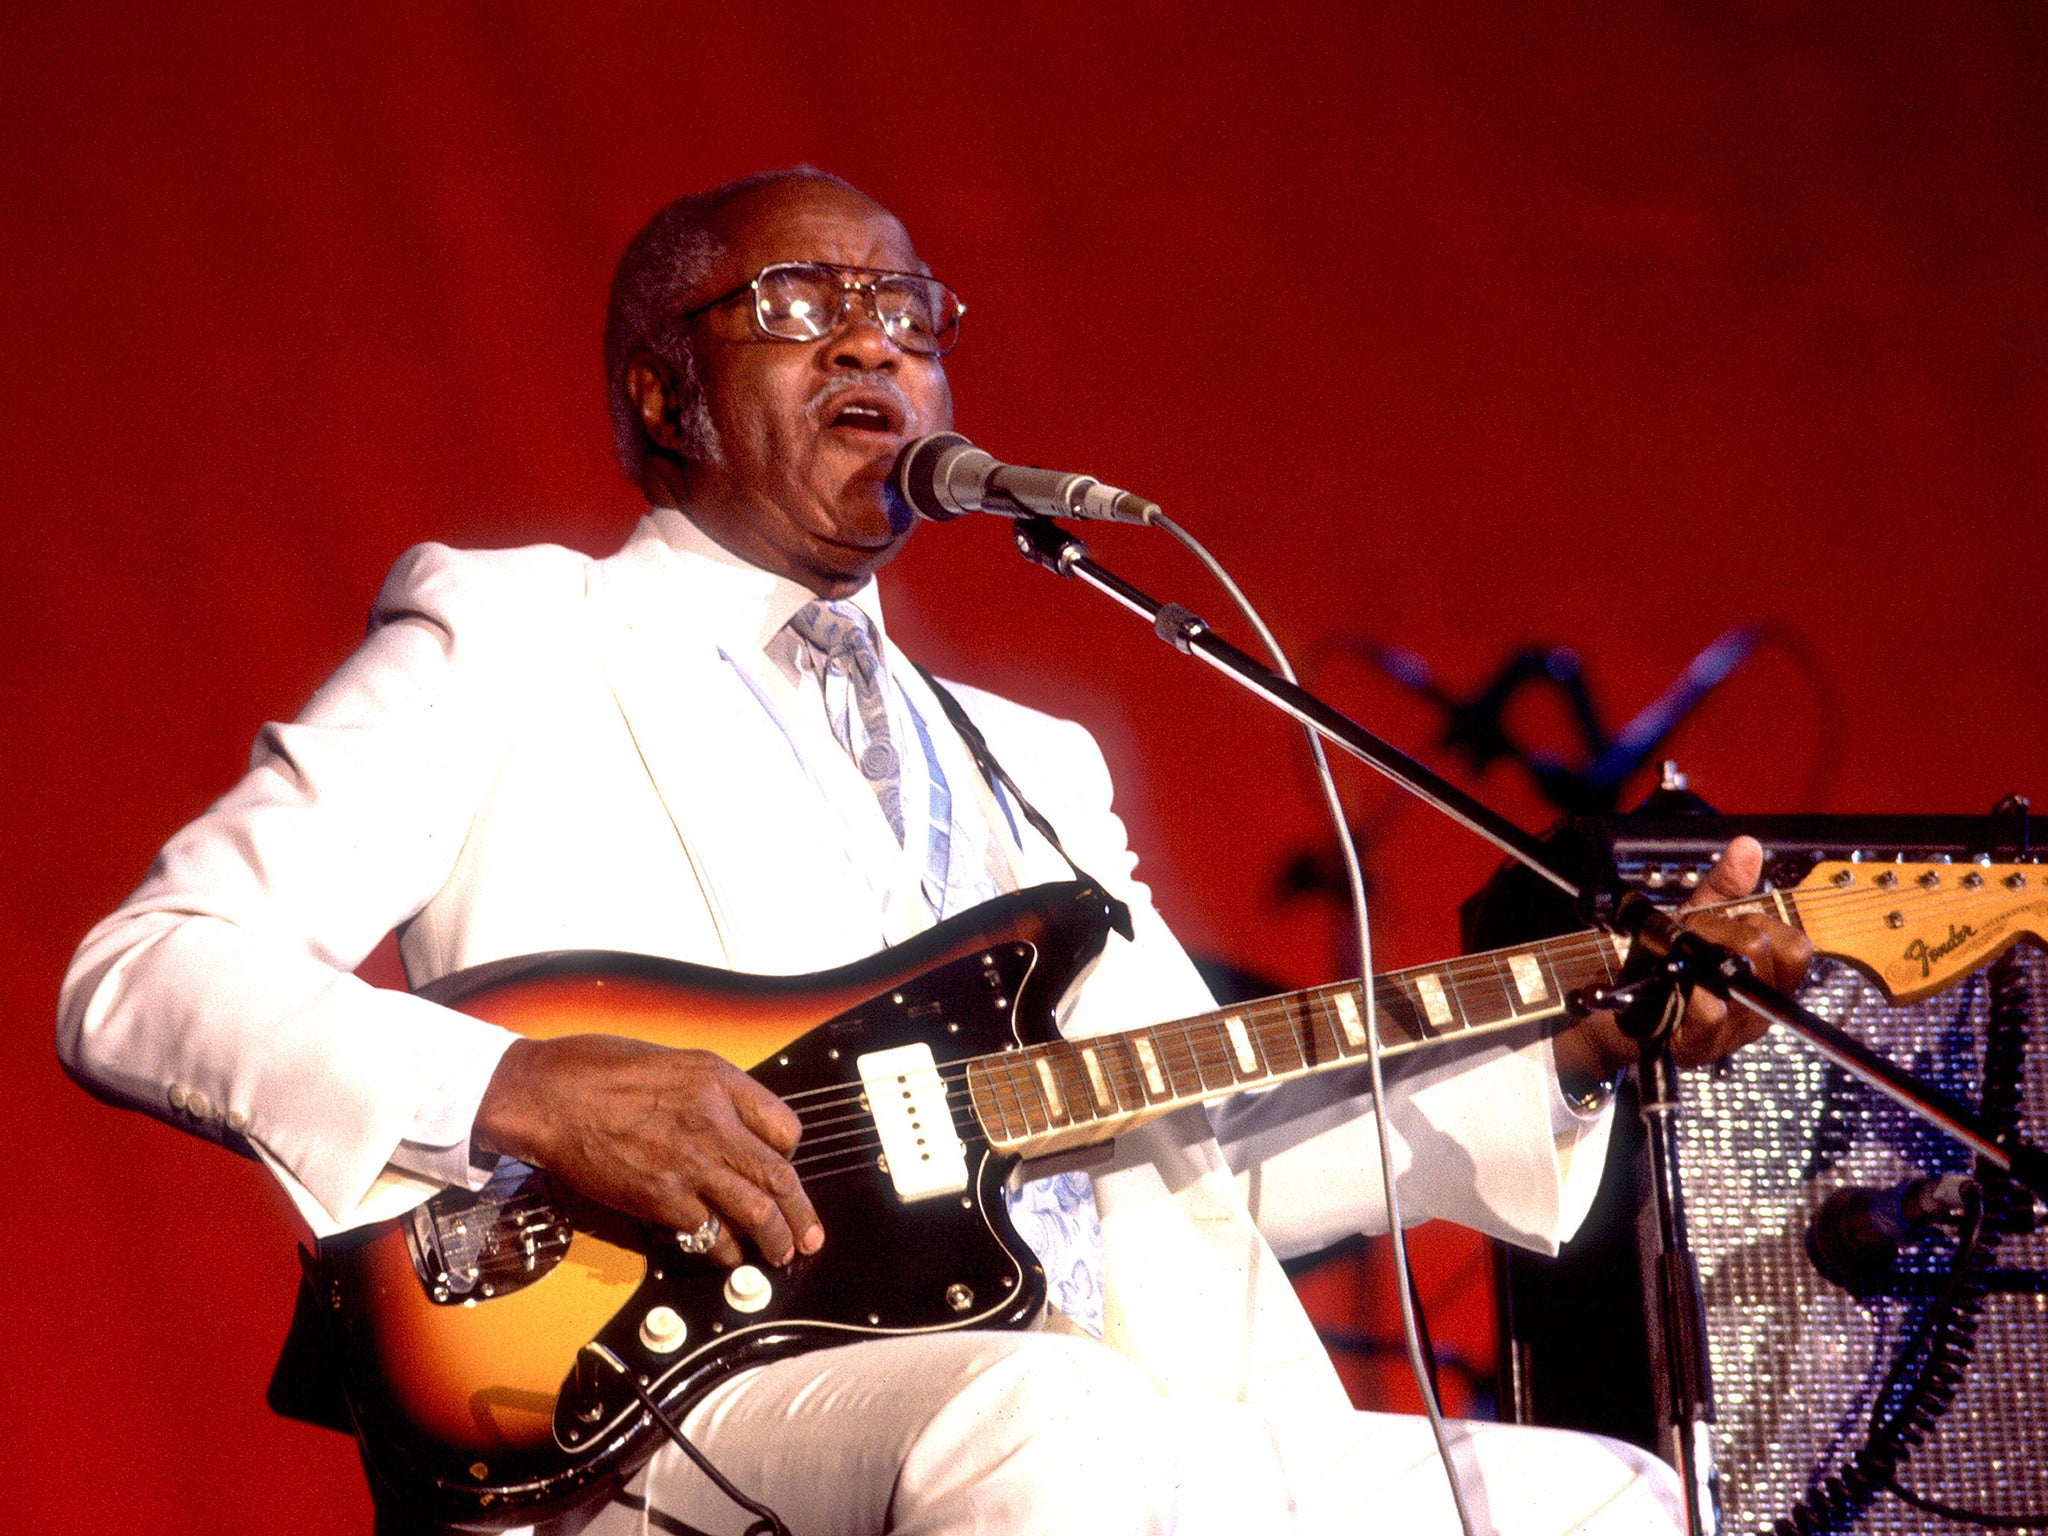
942 476
1855 1236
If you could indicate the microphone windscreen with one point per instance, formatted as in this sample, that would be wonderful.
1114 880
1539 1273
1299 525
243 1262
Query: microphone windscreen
919 475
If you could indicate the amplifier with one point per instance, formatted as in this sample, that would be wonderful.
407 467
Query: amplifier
1802 1363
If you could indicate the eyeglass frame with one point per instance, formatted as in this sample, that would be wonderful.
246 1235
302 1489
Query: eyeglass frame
847 289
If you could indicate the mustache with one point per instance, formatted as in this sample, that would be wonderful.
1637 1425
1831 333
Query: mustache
818 409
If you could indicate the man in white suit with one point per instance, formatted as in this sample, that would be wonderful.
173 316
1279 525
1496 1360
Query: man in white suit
668 751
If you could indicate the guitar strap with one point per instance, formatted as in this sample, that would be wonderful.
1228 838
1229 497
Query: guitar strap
1000 782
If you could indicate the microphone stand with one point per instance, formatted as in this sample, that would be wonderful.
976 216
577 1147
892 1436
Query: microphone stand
1665 962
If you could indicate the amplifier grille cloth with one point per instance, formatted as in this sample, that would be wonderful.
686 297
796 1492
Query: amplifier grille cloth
1796 1360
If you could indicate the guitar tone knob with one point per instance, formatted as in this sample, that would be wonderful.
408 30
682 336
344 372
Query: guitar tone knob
747 1289
663 1330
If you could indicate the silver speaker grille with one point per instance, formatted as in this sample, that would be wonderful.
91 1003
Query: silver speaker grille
1797 1361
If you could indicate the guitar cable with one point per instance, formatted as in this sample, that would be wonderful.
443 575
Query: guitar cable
767 1522
1420 1362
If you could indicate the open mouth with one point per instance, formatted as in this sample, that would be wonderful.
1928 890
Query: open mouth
863 418
864 410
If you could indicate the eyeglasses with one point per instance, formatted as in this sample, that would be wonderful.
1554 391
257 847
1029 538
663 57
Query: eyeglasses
804 300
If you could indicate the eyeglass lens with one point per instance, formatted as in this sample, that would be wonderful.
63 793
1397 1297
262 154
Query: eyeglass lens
803 301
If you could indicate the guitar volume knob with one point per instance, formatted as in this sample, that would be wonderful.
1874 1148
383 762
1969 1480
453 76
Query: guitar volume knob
747 1289
663 1330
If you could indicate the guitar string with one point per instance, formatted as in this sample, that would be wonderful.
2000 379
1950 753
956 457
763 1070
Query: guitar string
1213 1062
1208 1055
1277 1036
1211 1059
1269 1022
1465 970
1309 1040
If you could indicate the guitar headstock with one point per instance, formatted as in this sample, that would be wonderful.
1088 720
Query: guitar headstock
1917 928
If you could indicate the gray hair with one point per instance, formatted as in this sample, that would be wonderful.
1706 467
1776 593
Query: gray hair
662 269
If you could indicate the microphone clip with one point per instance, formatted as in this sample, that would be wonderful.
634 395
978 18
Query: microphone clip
1045 543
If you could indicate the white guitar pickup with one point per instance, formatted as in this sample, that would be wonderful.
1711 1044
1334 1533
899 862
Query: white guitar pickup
907 1099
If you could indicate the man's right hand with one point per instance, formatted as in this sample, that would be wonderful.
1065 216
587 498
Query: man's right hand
670 1136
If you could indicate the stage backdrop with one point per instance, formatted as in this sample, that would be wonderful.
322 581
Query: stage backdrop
1455 326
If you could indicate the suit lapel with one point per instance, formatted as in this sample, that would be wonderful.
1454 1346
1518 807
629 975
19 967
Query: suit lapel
744 812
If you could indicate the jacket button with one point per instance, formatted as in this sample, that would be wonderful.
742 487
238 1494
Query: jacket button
198 1105
237 1121
176 1095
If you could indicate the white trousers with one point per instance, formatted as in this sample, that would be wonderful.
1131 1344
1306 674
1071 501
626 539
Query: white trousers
1018 1434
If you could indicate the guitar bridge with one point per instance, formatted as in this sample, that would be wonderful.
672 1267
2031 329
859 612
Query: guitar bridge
471 1245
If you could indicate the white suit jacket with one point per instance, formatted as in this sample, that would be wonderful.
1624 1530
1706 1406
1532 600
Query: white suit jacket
538 751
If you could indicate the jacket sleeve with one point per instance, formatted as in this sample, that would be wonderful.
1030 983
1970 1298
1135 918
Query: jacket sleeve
1482 1137
219 996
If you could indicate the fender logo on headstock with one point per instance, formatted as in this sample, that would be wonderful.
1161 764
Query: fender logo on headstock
1963 915
1929 955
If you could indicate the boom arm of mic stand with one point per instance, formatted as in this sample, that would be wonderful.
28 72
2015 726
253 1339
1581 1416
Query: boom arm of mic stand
1043 542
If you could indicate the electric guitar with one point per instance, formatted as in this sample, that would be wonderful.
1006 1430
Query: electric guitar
922 1075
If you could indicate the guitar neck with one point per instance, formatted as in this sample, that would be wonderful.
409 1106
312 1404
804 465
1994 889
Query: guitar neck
1049 1098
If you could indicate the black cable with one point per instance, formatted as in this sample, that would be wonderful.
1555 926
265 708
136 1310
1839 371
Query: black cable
767 1523
1969 1516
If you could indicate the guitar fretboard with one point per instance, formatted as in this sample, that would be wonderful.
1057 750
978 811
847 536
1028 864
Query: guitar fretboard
1070 1093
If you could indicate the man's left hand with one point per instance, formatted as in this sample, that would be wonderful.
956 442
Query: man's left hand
1591 1051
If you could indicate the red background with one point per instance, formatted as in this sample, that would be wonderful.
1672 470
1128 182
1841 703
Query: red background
1458 325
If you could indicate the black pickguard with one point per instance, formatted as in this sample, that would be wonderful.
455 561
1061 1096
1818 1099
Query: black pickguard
887 1267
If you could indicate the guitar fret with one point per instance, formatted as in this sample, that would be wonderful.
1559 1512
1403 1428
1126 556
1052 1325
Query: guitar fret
1433 1009
1098 1080
1350 1022
1003 1086
1561 983
1119 1060
1510 998
1120 1092
1606 944
1073 1076
988 1103
1151 1073
1482 993
1245 1062
1308 1030
1532 988
1315 1035
1212 1055
1183 1065
1582 964
1031 1107
1398 1008
1279 1037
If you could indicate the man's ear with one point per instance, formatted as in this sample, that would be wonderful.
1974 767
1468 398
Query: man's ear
657 394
